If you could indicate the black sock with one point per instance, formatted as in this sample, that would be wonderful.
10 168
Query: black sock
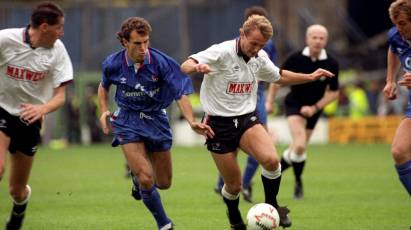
16 216
284 164
271 187
234 214
298 170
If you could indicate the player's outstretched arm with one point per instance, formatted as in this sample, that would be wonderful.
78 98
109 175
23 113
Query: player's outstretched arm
187 111
191 66
32 113
393 65
293 78
103 100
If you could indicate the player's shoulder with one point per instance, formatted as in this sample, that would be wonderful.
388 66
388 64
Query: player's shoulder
159 57
11 33
114 60
393 34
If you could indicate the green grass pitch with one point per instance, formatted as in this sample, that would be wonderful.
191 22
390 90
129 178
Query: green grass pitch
83 187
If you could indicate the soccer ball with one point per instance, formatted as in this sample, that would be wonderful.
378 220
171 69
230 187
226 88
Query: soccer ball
262 217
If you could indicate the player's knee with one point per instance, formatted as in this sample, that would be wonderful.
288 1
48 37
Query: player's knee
270 163
299 148
164 185
398 154
18 193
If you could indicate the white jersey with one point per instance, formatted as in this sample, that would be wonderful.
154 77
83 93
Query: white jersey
29 75
230 89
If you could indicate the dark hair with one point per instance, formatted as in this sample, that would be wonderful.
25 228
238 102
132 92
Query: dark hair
140 25
46 12
259 10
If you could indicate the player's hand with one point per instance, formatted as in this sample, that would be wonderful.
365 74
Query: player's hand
269 107
406 80
390 90
202 129
104 122
30 113
308 110
202 68
320 73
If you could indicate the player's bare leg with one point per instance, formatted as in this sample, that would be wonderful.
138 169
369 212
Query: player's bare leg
229 169
257 142
4 143
163 169
140 166
297 151
20 167
401 152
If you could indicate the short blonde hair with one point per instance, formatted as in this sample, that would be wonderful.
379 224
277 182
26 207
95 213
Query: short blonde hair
258 22
398 7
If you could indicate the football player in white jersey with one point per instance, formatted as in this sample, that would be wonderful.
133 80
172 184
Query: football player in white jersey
228 95
34 71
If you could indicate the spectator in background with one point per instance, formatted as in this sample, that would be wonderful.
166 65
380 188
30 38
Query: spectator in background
305 102
399 54
357 97
34 71
252 164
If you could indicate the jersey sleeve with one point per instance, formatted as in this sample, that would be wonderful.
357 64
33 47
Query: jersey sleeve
63 69
334 83
178 83
105 79
208 56
268 71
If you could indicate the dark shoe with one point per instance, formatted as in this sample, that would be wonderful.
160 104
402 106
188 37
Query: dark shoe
239 226
285 220
236 222
247 194
218 190
135 190
15 222
298 191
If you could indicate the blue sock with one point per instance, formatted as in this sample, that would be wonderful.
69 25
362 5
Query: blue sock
151 199
220 182
404 171
249 171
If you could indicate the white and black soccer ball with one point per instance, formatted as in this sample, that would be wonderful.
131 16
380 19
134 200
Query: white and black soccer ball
262 217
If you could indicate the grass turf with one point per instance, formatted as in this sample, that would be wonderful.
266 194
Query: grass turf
83 187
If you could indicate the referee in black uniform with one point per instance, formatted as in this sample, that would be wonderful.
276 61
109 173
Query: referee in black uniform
305 102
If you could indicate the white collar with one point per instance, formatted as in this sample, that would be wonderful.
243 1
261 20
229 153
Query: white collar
323 54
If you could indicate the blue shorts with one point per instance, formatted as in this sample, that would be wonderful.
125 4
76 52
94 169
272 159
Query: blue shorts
260 108
408 110
152 128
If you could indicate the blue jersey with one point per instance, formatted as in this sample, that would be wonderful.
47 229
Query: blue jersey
151 87
269 48
401 47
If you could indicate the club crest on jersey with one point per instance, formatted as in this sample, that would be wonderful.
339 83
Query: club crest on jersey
239 87
123 80
154 78
22 74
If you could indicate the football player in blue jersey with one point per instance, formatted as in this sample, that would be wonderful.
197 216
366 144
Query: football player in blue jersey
147 81
399 55
252 164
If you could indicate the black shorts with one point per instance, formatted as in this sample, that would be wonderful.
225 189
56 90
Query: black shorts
228 131
23 137
295 110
